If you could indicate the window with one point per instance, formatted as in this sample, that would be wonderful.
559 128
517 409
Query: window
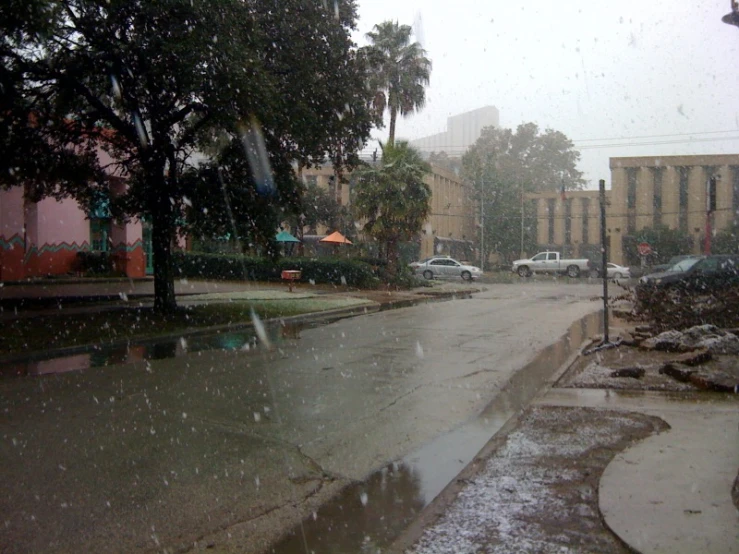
631 187
631 181
585 216
540 257
99 216
735 192
682 208
100 234
552 256
550 210
657 173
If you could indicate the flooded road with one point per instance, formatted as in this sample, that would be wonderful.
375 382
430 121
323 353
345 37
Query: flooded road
230 448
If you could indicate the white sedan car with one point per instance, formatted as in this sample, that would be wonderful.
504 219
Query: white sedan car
442 267
615 271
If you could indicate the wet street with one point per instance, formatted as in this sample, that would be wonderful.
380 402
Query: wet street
223 449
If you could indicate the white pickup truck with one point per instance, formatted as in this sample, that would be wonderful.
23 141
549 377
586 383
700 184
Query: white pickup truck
550 262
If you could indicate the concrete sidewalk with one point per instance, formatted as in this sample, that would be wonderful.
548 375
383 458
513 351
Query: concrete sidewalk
670 493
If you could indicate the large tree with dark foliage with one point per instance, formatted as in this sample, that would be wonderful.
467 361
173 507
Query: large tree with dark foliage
502 167
142 88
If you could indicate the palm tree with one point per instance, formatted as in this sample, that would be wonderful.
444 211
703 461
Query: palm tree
400 72
392 198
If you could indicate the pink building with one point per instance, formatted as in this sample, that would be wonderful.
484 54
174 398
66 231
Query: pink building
43 238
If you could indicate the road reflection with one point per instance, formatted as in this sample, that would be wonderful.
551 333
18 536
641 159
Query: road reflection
366 516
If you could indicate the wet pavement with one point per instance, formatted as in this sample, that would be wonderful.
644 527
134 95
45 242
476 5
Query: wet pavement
224 449
402 489
672 491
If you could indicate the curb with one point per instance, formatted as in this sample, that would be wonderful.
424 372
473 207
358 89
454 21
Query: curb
327 316
439 505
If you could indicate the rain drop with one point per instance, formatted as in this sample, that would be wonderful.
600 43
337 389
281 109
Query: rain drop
260 330
140 130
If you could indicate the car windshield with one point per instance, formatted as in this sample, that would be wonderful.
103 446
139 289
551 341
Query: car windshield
297 276
684 265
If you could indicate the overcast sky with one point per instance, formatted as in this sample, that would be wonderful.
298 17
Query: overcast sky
593 70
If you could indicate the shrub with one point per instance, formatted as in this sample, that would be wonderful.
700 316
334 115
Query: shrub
94 263
235 267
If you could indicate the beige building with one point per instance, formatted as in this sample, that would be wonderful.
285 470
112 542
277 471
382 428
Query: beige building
570 225
644 192
450 229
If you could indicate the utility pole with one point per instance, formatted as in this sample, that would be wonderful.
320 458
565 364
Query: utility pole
522 225
604 257
482 228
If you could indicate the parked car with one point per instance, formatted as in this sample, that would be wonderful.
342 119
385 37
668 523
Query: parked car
670 263
414 265
443 267
671 273
551 262
615 271
704 274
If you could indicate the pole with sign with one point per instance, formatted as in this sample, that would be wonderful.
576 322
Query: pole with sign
604 257
644 249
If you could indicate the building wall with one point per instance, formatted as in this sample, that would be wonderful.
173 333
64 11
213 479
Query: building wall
43 238
652 200
584 216
690 213
127 245
55 231
12 234
450 229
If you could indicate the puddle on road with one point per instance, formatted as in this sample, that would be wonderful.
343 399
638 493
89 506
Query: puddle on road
369 516
151 350
160 349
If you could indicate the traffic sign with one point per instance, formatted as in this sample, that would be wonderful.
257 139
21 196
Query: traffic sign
644 248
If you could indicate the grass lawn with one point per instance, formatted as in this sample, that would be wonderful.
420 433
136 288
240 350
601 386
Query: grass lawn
31 334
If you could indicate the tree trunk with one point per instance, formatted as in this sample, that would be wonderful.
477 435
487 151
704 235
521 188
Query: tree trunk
161 239
164 297
392 256
393 118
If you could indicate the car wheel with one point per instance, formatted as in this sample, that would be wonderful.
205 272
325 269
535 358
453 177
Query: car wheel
617 276
523 271
428 275
466 276
573 271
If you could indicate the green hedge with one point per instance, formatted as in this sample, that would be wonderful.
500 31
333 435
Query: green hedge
93 263
236 268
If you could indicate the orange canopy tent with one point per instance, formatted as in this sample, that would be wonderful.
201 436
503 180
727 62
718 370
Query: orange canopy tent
336 238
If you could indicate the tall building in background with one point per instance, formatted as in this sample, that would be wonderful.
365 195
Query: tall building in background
462 131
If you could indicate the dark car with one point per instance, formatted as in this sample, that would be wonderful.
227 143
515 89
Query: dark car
704 274
672 273
659 268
